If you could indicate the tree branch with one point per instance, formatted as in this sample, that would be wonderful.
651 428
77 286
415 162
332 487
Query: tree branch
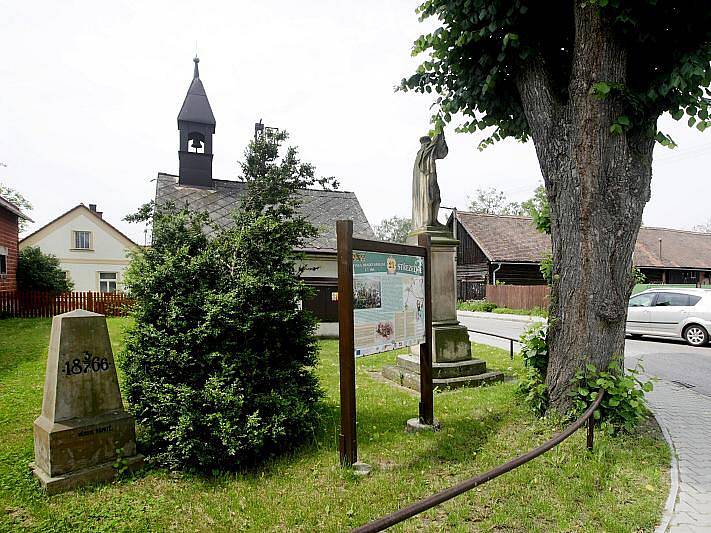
539 101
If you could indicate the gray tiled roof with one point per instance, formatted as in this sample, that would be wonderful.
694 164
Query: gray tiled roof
321 208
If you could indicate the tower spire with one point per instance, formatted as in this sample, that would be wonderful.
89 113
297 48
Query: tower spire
197 125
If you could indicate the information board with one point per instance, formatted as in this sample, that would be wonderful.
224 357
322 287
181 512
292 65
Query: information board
388 301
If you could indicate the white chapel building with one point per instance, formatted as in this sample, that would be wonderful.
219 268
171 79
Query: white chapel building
92 252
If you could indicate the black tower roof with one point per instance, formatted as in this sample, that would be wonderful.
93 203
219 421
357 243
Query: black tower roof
196 107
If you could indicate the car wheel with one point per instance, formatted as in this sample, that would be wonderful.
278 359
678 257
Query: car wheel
696 335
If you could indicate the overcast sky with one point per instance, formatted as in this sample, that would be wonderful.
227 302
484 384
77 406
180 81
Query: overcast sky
91 91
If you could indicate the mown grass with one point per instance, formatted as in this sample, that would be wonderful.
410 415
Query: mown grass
619 487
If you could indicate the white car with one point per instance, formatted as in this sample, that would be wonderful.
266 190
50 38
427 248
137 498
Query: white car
678 313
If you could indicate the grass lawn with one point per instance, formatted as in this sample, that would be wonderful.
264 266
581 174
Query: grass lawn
621 486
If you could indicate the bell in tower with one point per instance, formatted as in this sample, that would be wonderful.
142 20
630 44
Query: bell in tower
197 125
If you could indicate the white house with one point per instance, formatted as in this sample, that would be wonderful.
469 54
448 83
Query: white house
92 252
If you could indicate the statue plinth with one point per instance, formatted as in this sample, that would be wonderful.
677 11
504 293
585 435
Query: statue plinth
452 362
449 338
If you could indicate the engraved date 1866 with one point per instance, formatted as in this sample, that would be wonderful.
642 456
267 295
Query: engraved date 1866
85 365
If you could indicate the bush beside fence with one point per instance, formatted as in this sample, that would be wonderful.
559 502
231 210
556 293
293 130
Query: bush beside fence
37 304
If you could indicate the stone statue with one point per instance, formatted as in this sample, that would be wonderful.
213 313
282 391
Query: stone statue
452 362
425 190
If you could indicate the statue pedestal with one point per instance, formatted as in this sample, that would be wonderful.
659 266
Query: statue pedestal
452 363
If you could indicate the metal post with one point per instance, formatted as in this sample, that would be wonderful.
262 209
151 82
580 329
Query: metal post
591 431
511 348
426 394
348 443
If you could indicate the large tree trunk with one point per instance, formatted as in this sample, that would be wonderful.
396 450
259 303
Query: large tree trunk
597 183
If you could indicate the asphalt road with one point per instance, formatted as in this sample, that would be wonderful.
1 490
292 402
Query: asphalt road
666 359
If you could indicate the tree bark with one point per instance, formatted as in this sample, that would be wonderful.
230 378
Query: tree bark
597 183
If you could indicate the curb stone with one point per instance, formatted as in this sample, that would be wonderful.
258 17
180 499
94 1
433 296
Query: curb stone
500 316
670 504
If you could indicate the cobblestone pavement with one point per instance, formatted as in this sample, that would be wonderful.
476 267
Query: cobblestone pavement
687 417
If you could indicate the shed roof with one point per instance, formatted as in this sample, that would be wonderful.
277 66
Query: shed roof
512 239
9 206
321 208
506 239
680 248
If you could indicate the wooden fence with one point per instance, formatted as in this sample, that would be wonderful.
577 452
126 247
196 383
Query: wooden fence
36 304
518 296
470 290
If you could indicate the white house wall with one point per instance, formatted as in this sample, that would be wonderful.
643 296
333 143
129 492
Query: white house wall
326 266
109 253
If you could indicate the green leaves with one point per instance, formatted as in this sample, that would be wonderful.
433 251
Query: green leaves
474 56
394 229
623 406
510 38
538 209
603 89
534 350
621 124
665 140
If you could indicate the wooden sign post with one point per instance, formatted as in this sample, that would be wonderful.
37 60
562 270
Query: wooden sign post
348 443
398 256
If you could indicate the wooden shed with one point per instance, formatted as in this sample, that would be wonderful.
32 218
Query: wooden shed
509 249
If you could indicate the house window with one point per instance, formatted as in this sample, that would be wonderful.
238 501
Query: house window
3 261
82 240
107 281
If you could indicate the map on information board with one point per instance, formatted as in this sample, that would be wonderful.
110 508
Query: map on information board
388 301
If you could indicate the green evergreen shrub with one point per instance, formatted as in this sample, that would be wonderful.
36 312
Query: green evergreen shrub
219 364
37 271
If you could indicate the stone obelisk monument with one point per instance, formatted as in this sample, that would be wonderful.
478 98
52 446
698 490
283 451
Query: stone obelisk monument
83 435
452 363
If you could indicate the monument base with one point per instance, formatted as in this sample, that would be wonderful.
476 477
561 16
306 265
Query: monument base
445 376
450 343
79 443
414 425
361 469
95 474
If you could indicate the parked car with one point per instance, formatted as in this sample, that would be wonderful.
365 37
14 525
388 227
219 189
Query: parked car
679 313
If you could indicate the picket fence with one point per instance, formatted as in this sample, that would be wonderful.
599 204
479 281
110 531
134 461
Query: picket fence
38 304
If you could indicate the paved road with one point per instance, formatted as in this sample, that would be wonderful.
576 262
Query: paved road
666 359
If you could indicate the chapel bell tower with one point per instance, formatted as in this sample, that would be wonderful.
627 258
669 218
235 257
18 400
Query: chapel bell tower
197 125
